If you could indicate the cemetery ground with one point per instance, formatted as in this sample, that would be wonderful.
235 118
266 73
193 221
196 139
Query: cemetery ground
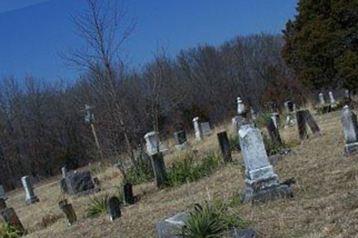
325 202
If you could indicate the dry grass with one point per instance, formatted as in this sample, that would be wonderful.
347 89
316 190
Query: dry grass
325 202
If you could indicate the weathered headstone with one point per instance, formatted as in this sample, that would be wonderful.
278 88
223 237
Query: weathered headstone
275 117
114 208
197 129
9 216
301 124
69 211
79 183
241 109
274 132
224 146
235 124
290 111
158 165
170 227
350 130
322 101
332 100
180 140
2 192
30 196
64 171
205 128
261 181
128 193
312 124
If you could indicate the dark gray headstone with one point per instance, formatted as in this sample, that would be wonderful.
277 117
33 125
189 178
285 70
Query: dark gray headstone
301 124
180 137
312 124
9 216
114 208
274 133
159 170
350 130
224 146
78 183
128 193
2 192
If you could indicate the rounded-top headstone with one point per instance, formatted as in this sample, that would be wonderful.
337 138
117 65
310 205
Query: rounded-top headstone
152 142
114 208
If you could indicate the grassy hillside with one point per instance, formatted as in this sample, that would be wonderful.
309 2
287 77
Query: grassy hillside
325 202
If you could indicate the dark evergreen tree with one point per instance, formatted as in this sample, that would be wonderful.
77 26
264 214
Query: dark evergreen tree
322 43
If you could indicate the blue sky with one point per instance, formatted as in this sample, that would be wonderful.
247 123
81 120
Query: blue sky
32 32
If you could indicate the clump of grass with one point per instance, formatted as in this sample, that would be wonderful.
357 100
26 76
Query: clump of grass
49 219
189 169
211 220
140 173
234 141
98 205
8 231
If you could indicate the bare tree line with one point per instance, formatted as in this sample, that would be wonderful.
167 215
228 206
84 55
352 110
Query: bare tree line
42 126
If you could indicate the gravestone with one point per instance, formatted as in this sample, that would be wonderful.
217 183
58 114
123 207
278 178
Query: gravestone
152 142
253 114
205 128
2 193
241 109
197 129
350 130
69 211
158 165
322 101
261 181
275 117
224 146
274 132
180 140
128 193
114 208
235 124
30 196
312 124
290 111
170 227
332 100
79 183
301 124
64 171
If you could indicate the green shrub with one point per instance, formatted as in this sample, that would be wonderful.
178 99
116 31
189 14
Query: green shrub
211 220
189 169
8 231
97 206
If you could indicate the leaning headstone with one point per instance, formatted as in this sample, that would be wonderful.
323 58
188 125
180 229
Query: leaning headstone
261 181
301 124
274 132
170 227
128 193
114 208
197 129
2 193
9 216
224 146
205 128
180 140
311 122
80 183
350 130
30 196
69 211
275 117
156 157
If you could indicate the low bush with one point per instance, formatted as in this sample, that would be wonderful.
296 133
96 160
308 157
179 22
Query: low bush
211 220
190 169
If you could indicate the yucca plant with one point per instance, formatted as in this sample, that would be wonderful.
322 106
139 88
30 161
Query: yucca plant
203 222
211 220
97 206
